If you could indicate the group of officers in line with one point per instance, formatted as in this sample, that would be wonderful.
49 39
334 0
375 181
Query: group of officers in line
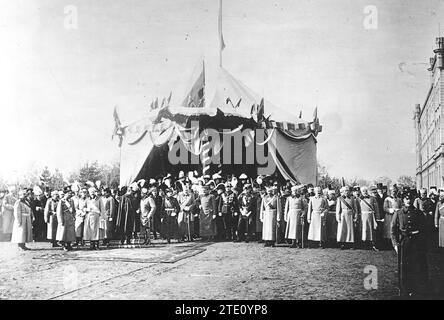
232 209
215 209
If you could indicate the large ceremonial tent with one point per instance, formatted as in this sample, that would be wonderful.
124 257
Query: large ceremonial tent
288 141
202 133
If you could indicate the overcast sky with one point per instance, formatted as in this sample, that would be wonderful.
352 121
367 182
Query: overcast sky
59 85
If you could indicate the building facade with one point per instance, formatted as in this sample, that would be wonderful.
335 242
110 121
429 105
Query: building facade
429 130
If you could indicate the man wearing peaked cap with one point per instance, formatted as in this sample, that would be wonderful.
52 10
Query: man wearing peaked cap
392 204
408 234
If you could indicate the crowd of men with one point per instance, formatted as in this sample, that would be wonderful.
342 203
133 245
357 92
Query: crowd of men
213 208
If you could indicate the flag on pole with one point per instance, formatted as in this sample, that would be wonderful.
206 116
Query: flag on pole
221 36
169 98
117 123
118 130
196 96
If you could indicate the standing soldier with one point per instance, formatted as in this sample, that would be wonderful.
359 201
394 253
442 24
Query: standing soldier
170 209
317 209
284 194
80 207
408 238
126 216
157 215
94 209
228 206
38 204
108 214
208 211
391 205
50 216
8 212
439 218
426 206
247 210
330 222
294 214
219 221
257 194
346 216
187 202
66 232
23 218
269 216
357 227
147 209
380 198
369 213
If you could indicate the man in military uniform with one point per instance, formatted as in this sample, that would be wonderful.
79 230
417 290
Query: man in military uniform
357 223
380 198
50 216
247 217
170 210
219 221
269 215
316 215
230 211
187 201
208 212
392 204
346 216
369 213
426 206
408 238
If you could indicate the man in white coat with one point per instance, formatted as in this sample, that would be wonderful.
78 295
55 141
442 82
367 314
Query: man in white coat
369 215
294 214
316 214
346 215
23 218
50 216
94 209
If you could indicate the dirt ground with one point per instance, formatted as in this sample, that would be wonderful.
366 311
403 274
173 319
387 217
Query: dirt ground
201 271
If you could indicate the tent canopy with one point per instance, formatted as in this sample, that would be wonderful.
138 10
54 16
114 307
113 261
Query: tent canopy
291 141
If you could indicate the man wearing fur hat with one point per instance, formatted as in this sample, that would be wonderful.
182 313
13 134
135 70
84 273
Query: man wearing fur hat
92 226
269 214
317 210
50 216
23 218
346 216
66 233
294 214
330 222
80 208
